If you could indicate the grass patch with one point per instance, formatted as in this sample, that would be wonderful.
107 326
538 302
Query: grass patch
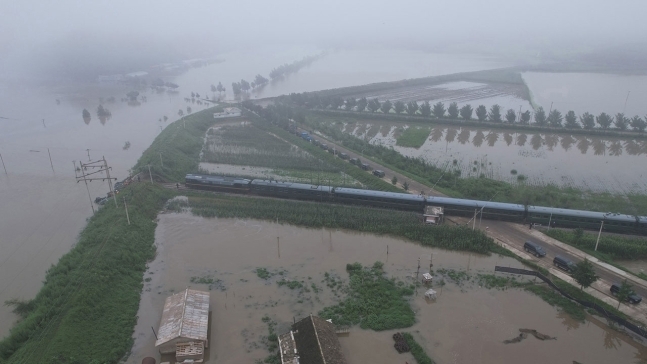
611 246
554 298
374 301
290 284
413 137
202 280
417 351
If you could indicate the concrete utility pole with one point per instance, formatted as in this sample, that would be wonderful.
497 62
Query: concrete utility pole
107 169
625 108
126 206
3 166
86 185
149 173
103 166
599 233
89 160
50 159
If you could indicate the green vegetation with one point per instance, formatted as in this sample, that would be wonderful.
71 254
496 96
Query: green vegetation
584 274
251 146
87 308
202 280
290 284
374 301
413 137
611 247
271 343
360 218
179 145
416 350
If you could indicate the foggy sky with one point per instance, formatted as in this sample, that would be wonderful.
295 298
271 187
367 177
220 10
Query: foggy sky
37 34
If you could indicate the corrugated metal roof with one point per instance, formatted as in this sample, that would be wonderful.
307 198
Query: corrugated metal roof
186 315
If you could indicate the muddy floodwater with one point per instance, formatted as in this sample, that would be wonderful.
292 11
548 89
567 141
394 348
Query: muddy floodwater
601 164
467 324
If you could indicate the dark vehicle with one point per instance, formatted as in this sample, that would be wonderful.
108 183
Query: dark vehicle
366 167
332 151
633 297
343 155
534 249
354 161
378 173
564 264
324 146
316 142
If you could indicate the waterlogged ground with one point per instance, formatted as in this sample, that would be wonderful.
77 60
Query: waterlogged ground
588 162
467 324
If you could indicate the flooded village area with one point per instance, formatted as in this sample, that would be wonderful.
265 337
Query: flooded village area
467 323
262 276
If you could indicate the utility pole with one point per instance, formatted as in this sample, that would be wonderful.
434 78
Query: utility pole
418 271
599 233
161 161
89 160
86 184
50 159
551 108
107 169
625 108
103 167
474 220
126 206
149 173
3 166
44 123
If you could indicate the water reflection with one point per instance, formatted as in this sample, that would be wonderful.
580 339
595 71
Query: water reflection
599 146
521 139
436 134
451 135
568 321
536 141
478 138
551 141
508 138
464 136
492 137
567 142
583 145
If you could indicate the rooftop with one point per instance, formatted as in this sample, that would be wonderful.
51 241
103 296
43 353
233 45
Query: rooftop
317 342
186 315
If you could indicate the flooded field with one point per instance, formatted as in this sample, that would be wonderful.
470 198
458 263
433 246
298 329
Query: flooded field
593 163
592 92
467 324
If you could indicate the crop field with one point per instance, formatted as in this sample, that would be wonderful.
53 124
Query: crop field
250 146
413 137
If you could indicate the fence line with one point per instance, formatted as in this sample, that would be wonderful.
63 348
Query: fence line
604 312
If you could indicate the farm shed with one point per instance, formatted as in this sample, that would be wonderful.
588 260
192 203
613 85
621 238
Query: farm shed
313 341
184 325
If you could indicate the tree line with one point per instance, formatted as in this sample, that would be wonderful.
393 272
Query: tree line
553 118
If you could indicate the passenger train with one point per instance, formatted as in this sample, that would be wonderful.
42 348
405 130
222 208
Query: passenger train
591 220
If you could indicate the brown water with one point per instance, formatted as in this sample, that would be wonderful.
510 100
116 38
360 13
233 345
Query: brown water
594 163
466 325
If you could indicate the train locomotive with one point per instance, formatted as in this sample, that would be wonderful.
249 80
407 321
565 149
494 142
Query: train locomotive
591 220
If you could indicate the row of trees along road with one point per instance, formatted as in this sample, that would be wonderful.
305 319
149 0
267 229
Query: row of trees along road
584 275
495 114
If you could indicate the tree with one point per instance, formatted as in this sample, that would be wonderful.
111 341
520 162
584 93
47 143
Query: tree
625 291
165 118
220 88
511 116
188 110
604 120
260 80
439 110
132 95
374 105
235 86
466 112
361 104
587 120
336 102
452 110
425 109
525 117
86 114
405 185
571 120
394 180
213 88
540 117
621 121
481 113
350 103
244 85
398 107
193 95
181 113
555 119
386 106
638 124
412 108
495 113
584 274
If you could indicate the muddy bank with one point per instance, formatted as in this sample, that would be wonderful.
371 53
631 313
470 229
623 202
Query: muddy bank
466 324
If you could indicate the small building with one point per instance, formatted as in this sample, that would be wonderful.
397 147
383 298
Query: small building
184 326
427 278
430 294
434 215
312 340
228 112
